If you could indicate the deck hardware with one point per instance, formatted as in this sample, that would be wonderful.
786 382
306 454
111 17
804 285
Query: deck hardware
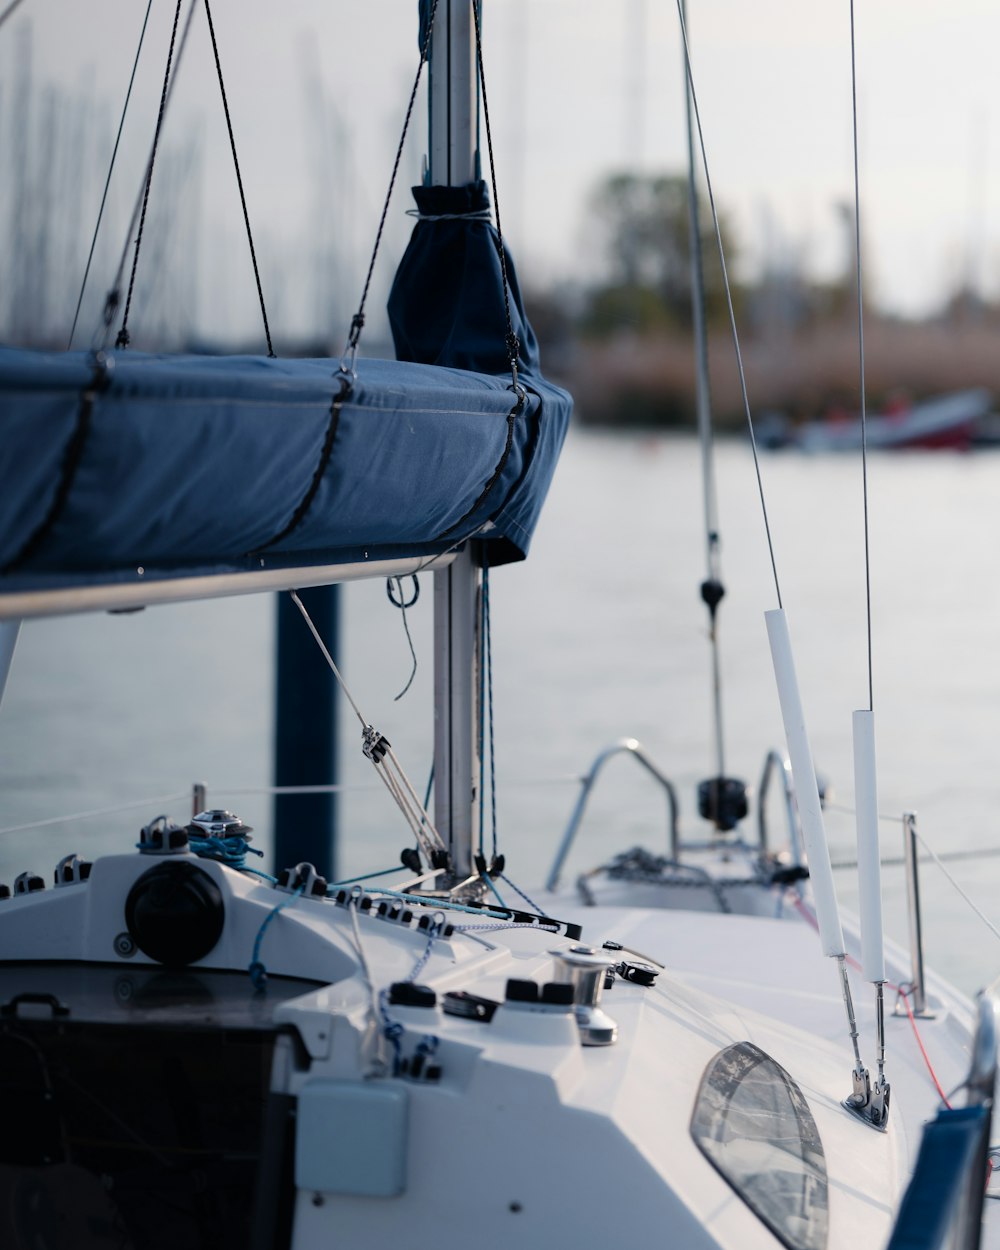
34 999
71 870
723 801
637 973
406 994
303 877
162 837
175 913
468 1006
28 883
584 969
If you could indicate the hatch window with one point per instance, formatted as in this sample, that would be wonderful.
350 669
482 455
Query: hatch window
753 1124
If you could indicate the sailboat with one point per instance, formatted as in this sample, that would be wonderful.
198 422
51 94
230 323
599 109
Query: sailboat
196 1053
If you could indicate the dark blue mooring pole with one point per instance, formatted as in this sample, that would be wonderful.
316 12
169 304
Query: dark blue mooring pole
305 733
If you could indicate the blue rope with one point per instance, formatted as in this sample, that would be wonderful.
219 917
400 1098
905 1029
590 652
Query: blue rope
258 973
517 890
489 881
231 850
392 1030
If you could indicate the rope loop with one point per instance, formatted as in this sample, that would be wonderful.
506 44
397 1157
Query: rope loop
401 602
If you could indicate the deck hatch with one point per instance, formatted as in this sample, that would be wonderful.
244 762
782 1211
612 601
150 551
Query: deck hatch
753 1124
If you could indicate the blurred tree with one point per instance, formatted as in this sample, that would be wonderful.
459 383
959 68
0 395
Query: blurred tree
642 236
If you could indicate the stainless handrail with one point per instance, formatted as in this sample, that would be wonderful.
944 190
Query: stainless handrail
913 911
776 761
628 746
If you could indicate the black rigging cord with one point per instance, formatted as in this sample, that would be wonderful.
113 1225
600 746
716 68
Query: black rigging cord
358 320
107 182
123 335
8 11
239 180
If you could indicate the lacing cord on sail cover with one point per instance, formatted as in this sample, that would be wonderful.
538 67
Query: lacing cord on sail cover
387 767
71 457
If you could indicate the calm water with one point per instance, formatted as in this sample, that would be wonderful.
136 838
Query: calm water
601 634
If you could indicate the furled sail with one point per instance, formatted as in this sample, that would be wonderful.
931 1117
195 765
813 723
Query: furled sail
131 469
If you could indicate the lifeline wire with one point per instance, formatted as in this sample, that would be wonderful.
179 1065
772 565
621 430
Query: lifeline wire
159 801
861 356
729 298
107 182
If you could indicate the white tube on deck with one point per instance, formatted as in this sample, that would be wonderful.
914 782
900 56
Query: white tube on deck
806 790
869 862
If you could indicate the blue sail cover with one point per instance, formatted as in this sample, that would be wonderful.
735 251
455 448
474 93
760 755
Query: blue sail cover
171 466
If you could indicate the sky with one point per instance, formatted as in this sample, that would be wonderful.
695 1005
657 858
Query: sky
577 88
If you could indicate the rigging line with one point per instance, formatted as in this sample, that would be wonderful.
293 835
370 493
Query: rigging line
158 801
399 787
711 589
9 11
729 299
358 321
123 334
402 603
513 346
703 394
239 179
327 656
114 294
107 182
937 859
861 357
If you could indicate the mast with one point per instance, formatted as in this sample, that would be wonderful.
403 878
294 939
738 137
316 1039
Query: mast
453 160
